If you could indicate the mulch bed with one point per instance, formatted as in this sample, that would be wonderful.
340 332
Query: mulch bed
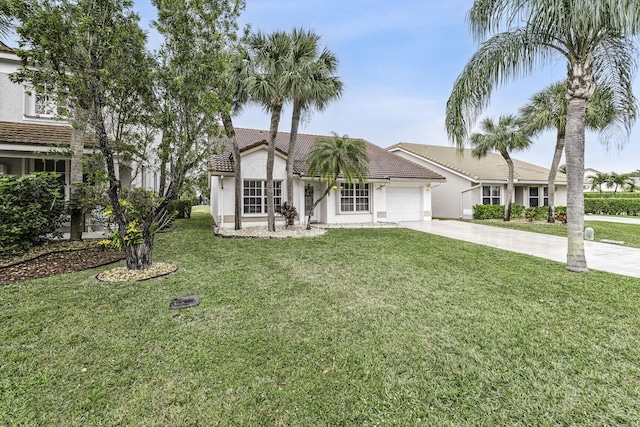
55 259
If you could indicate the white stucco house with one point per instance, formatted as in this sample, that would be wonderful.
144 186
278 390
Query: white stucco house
472 181
397 189
34 136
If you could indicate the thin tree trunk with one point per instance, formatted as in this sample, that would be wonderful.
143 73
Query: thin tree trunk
509 196
295 122
576 260
316 204
276 110
75 179
557 155
235 152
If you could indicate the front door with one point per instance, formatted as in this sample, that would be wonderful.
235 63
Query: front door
308 202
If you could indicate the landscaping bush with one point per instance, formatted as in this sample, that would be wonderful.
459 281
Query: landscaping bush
289 213
496 211
536 213
612 206
32 207
181 208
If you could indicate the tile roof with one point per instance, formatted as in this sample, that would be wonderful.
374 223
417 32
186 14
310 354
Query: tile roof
490 168
37 134
5 48
382 164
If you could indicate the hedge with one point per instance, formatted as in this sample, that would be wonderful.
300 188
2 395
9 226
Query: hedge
617 206
609 194
181 207
517 211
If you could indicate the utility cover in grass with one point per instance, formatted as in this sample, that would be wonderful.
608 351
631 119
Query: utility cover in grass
184 302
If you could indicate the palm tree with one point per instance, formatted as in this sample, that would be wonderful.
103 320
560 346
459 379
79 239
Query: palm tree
619 180
268 85
5 18
337 156
547 110
597 181
313 84
504 137
593 37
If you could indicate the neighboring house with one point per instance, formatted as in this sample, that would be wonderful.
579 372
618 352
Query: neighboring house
472 181
33 137
396 190
587 181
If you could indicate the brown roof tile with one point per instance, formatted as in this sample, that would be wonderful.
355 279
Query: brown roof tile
36 134
490 168
382 164
5 48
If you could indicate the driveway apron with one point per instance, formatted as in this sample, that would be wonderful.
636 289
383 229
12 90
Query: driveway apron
600 256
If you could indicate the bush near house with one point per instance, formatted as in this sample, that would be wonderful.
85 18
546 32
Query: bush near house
612 206
496 211
32 208
182 208
609 195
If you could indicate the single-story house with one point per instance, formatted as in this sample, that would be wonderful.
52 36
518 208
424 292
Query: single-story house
472 181
396 189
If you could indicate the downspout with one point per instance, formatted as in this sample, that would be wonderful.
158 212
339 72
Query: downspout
462 194
222 201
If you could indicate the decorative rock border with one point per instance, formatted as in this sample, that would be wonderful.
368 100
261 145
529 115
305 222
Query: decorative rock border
122 274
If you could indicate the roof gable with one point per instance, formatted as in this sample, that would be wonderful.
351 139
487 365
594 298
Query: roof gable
382 164
490 168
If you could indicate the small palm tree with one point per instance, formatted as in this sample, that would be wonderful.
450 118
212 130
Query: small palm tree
597 181
312 84
620 180
337 156
504 137
547 110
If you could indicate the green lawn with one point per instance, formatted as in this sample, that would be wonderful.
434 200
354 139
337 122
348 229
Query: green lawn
628 233
385 327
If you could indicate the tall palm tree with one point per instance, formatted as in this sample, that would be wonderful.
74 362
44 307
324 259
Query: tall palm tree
593 37
597 181
268 85
337 156
547 110
313 84
505 136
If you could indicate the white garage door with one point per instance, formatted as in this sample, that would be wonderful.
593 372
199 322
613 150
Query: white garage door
404 203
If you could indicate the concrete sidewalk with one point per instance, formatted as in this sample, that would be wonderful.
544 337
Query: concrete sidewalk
600 256
622 220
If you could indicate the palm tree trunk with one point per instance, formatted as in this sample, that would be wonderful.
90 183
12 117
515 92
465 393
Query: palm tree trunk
551 185
316 204
235 151
509 196
276 110
576 260
75 178
295 122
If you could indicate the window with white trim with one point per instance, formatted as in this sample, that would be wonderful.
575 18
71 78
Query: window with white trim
45 103
535 194
354 197
491 194
254 200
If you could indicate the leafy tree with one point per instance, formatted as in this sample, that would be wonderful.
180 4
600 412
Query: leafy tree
193 62
547 109
90 52
313 85
597 181
335 157
595 40
505 136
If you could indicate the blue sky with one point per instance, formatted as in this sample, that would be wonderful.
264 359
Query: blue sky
398 62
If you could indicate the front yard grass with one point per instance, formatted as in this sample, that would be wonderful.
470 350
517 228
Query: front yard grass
385 327
627 233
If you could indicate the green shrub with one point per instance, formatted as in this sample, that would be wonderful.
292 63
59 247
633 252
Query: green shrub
181 208
32 208
610 206
496 211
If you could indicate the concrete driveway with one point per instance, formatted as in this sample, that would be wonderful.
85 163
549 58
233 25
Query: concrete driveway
600 256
